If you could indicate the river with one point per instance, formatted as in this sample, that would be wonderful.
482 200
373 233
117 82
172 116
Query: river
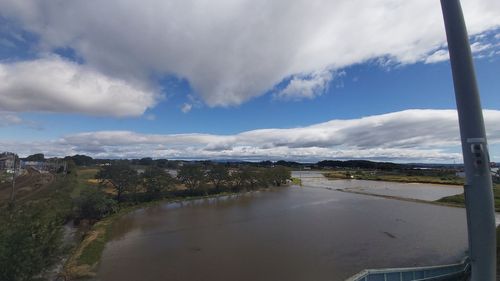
292 233
420 191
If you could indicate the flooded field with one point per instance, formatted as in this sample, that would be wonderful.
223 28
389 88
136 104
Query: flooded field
422 191
291 233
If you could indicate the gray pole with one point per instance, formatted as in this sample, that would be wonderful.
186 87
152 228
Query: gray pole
13 190
478 187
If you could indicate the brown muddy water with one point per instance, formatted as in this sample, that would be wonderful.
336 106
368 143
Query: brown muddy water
421 191
291 233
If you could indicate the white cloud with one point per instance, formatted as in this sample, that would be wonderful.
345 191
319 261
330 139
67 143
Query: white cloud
9 119
186 107
52 84
479 49
233 50
306 86
410 135
438 56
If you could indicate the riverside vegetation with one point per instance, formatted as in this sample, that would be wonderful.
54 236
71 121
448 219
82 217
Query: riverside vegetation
94 193
31 232
130 190
407 176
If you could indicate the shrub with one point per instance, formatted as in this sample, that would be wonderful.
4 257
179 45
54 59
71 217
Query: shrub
94 204
30 241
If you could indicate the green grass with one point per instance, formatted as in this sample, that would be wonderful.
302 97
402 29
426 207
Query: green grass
396 177
336 175
4 176
83 175
296 181
91 254
56 194
459 199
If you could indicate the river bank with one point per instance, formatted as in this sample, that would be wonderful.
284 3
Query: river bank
459 199
401 198
85 258
295 233
112 250
394 177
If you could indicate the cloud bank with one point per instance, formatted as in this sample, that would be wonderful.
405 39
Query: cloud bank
420 135
233 50
53 84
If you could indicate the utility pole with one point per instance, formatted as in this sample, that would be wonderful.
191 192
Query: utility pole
12 192
478 186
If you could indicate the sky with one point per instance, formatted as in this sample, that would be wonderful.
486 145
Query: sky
238 79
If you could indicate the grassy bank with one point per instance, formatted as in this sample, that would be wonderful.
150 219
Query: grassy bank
83 261
459 199
82 181
395 177
297 181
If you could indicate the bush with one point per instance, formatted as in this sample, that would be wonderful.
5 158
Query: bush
94 204
30 241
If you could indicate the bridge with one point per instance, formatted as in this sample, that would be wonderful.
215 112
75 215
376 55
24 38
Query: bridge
451 272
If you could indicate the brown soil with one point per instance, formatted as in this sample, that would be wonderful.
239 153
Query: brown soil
27 185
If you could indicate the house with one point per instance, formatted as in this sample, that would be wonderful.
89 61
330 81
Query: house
7 160
38 165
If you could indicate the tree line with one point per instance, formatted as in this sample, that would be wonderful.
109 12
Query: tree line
154 182
129 185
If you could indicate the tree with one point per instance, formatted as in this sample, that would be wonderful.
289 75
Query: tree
274 176
266 163
94 204
30 241
288 164
191 175
38 157
156 181
280 175
217 175
80 160
238 178
146 161
245 176
120 175
253 176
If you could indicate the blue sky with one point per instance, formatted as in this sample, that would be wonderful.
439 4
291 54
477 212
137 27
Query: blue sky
364 90
207 88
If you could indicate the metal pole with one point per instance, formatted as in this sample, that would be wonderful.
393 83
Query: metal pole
12 192
478 187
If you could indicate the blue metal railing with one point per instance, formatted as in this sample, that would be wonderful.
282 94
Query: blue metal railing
457 271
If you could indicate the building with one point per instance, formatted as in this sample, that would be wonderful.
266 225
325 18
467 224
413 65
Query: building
7 160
